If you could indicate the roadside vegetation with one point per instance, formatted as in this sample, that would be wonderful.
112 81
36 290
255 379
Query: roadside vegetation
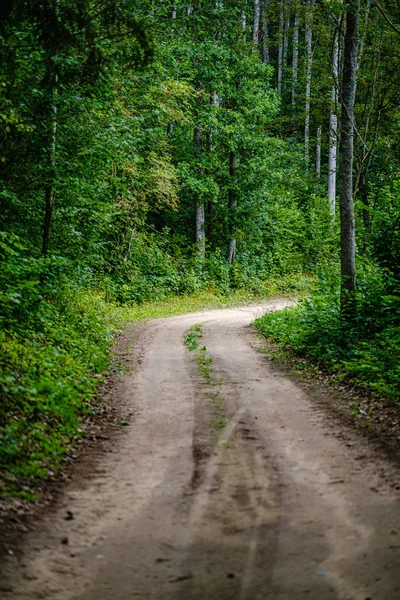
364 350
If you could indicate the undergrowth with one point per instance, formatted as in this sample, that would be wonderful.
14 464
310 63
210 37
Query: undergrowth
365 351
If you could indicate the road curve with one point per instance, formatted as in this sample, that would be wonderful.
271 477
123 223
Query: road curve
238 487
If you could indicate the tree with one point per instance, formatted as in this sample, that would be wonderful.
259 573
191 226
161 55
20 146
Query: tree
309 59
66 48
333 123
347 220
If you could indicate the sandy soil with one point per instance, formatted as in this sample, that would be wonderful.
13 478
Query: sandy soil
280 503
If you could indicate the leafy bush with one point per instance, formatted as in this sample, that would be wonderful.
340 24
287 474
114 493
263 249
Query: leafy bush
55 336
367 350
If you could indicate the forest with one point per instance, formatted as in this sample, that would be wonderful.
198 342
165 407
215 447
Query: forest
187 154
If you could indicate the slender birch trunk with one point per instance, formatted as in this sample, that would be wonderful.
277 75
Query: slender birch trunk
309 60
256 23
280 48
347 224
333 126
214 101
243 20
232 207
265 34
295 62
170 126
200 211
318 153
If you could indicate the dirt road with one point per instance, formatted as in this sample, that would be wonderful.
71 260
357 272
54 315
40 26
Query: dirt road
234 487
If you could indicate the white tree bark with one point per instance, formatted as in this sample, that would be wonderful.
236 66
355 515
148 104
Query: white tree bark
309 59
265 35
200 227
333 126
256 23
215 100
318 157
232 207
200 209
243 21
280 47
295 62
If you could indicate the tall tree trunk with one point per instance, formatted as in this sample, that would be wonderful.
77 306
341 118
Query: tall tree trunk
200 211
318 157
50 190
333 126
347 226
170 126
295 63
280 47
214 101
256 24
309 60
232 207
243 21
265 34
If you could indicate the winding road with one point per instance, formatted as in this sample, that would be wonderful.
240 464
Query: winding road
236 486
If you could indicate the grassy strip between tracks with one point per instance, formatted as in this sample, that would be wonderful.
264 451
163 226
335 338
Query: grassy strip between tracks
192 342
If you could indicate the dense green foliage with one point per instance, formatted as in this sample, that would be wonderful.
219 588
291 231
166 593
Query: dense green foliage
365 350
120 121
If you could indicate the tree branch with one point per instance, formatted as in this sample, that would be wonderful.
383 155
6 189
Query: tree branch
384 15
